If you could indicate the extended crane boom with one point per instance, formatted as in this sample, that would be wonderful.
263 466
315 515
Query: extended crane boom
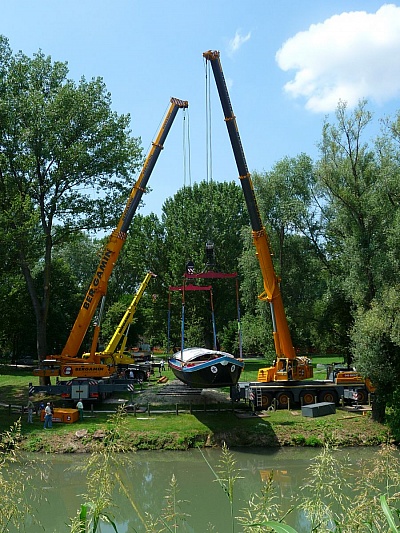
98 286
121 333
287 364
95 365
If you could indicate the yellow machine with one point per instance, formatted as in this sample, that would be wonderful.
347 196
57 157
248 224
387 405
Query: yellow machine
287 366
116 347
68 364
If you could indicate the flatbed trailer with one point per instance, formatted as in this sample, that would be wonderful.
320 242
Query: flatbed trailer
298 393
87 388
98 389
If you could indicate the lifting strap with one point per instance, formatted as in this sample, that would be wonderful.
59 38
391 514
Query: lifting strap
183 288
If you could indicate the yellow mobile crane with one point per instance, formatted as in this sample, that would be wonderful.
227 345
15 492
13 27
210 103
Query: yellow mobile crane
287 365
69 364
120 337
284 381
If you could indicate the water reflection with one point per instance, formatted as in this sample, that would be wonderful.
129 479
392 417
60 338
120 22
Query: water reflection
145 481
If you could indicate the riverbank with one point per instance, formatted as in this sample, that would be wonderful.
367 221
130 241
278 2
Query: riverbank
151 433
174 417
206 419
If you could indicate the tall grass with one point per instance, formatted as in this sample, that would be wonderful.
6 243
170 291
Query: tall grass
325 508
17 500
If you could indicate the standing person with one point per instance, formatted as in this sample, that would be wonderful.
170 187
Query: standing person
162 365
131 374
30 408
79 406
48 417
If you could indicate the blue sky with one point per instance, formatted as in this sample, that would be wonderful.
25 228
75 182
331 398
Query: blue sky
287 63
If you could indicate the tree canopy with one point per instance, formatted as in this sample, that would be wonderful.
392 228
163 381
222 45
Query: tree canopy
66 160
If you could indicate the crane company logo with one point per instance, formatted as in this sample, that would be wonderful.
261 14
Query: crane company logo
68 371
97 277
89 369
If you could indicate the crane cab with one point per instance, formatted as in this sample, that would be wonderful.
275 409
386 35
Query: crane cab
286 369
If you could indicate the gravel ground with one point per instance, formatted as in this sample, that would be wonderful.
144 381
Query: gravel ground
176 392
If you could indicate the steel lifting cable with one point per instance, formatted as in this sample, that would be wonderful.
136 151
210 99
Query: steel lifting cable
208 122
209 164
186 160
186 173
169 322
186 148
214 327
239 320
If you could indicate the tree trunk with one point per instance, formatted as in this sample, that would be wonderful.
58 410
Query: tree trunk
41 311
41 343
378 409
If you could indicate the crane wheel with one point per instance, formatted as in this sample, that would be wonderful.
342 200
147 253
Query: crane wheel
362 396
266 400
284 399
307 398
329 396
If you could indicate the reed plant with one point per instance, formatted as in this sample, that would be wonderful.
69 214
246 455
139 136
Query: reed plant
18 501
172 517
101 478
369 505
331 504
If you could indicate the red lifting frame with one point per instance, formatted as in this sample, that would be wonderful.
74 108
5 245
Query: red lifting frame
210 274
183 288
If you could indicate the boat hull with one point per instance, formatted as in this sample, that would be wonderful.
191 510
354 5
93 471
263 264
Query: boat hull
222 371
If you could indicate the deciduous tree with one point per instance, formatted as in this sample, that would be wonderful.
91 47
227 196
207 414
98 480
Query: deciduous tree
361 195
207 212
66 161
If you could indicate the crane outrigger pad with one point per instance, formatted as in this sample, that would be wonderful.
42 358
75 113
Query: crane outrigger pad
315 410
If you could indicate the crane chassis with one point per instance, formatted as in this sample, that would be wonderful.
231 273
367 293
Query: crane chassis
284 395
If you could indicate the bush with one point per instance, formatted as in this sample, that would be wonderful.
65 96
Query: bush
313 441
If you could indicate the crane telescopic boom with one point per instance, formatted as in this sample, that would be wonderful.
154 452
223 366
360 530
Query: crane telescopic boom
98 286
121 333
285 352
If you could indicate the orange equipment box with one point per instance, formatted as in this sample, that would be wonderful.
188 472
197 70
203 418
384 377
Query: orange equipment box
68 416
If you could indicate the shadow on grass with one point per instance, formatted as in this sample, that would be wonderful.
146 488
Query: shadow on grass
13 394
227 427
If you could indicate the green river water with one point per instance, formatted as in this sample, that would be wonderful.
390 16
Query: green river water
146 479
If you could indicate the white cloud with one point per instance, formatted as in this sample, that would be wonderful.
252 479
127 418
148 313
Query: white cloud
347 57
236 43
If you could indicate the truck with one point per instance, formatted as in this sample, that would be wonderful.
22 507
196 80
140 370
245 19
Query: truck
97 366
141 353
288 380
